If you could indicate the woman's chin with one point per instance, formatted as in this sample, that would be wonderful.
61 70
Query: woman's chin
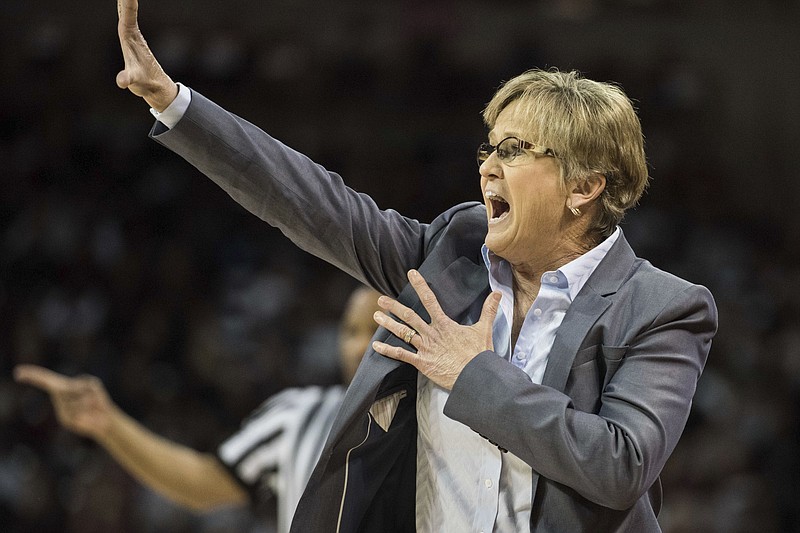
495 243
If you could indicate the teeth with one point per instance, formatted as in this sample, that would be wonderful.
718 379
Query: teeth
499 207
491 195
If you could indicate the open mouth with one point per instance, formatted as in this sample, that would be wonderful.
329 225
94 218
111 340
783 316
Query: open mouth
499 207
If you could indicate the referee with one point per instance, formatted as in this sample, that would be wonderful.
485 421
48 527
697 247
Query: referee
272 454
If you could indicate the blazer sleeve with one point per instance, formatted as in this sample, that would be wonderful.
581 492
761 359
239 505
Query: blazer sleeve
308 204
611 457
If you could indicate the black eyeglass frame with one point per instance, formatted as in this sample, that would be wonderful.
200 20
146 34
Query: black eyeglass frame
507 156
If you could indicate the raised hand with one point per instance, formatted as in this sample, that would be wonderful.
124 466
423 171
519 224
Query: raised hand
142 74
444 347
82 404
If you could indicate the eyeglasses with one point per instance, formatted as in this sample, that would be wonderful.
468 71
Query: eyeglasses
509 148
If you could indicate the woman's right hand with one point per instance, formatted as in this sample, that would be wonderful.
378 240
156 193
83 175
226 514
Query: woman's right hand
142 75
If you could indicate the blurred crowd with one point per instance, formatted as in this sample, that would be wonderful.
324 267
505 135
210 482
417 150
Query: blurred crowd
119 260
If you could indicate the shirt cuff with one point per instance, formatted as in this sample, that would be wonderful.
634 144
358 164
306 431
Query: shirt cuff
175 111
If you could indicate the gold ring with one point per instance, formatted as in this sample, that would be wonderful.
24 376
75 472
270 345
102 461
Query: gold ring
409 335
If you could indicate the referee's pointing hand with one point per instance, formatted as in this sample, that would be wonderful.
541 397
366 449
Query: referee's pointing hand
81 403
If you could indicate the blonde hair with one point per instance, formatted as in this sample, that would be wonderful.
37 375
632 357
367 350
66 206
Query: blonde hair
591 126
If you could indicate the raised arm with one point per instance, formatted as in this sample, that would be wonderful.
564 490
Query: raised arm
185 476
142 74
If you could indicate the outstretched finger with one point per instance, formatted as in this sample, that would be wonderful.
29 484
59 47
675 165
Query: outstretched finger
40 377
490 307
404 313
394 352
425 294
402 331
128 12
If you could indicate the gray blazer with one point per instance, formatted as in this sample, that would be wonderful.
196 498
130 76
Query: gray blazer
597 432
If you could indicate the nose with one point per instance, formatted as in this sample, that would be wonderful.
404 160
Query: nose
491 168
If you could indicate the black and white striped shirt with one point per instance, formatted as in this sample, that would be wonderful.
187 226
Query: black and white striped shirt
278 445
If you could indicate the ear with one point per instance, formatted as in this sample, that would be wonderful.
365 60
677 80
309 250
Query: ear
586 191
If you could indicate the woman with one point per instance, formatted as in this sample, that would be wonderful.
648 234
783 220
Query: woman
531 373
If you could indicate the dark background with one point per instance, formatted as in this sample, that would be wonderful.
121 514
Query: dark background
120 260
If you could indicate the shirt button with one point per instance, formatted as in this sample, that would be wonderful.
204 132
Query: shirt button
553 279
488 483
520 355
537 312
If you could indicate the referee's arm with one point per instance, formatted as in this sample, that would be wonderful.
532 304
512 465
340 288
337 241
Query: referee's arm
185 476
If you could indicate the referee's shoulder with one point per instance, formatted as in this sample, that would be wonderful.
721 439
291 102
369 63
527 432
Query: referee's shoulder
296 399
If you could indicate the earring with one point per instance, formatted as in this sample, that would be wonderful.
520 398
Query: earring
575 211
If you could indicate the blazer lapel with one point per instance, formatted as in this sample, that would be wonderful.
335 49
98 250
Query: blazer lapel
591 302
583 312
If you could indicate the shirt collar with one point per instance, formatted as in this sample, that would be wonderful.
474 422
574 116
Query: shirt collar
572 276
